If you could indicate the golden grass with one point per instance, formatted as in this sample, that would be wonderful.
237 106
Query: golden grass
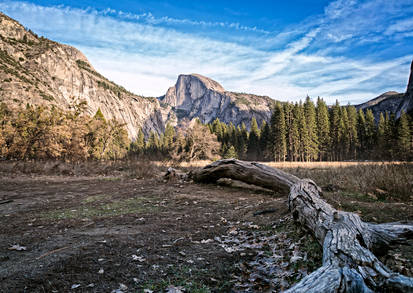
327 164
203 163
388 180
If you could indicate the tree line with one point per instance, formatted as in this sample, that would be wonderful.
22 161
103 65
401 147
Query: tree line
310 132
296 132
301 131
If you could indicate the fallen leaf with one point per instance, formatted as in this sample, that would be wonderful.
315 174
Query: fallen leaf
138 258
17 247
173 289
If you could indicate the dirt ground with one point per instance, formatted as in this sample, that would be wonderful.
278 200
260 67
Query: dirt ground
119 234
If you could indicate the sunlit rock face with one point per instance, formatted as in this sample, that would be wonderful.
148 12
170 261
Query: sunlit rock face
196 96
39 71
407 104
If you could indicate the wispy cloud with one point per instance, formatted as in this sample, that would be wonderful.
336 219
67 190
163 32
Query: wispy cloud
145 53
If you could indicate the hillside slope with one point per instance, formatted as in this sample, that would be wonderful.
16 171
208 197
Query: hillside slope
36 70
392 102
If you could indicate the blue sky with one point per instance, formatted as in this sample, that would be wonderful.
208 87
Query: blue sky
348 50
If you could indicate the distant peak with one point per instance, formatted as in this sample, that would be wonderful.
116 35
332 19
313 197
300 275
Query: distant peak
208 83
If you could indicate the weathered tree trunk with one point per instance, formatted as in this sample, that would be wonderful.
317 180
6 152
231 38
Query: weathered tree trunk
349 244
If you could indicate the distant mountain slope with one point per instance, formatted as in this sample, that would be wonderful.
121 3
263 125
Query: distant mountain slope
392 102
39 71
196 96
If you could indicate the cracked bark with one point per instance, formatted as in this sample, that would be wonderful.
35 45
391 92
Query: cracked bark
349 245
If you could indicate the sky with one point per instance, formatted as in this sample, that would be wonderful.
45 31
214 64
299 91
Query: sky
348 50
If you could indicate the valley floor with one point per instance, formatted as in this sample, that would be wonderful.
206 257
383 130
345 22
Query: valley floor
99 233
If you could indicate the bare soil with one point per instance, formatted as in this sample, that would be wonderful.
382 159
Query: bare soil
103 233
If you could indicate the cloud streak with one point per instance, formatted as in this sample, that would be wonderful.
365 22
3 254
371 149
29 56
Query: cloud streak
145 53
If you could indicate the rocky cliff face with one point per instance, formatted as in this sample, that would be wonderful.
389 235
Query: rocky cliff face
196 96
407 103
392 102
39 71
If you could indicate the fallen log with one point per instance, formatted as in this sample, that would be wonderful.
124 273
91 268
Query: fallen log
349 245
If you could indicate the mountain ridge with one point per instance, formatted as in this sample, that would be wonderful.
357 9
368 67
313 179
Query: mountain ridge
197 96
392 101
39 71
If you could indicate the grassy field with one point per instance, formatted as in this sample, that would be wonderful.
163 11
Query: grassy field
110 225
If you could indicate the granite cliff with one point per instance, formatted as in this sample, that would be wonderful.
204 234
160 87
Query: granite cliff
38 71
196 96
407 102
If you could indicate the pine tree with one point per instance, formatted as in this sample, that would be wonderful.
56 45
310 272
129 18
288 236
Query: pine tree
390 136
217 129
289 118
253 141
323 129
168 137
311 129
99 115
294 135
381 138
278 133
403 137
230 153
265 138
242 141
371 133
345 137
138 146
336 131
352 131
361 132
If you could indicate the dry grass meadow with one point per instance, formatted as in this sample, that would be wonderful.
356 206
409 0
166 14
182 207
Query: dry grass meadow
104 226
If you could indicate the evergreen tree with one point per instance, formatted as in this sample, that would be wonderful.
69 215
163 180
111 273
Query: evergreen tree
323 129
230 153
370 135
352 131
253 141
381 138
311 129
345 137
168 137
289 118
217 129
99 115
403 137
336 131
278 133
294 135
390 136
265 138
361 132
242 141
137 147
